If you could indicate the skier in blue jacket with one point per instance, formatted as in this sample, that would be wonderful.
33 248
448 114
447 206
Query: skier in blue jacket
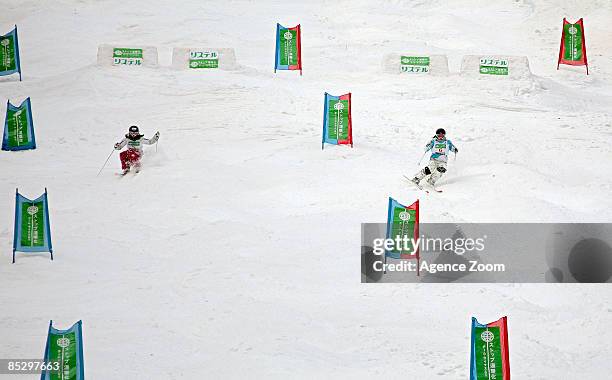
436 167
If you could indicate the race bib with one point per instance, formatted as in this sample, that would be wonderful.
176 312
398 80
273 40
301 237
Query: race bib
440 148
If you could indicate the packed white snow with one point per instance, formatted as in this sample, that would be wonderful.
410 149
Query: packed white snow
234 253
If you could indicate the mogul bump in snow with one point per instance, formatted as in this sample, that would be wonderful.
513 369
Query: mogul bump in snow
134 141
436 167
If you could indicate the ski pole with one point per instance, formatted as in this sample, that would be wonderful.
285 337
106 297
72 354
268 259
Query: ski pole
105 162
424 153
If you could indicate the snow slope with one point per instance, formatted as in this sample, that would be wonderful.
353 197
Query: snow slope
234 253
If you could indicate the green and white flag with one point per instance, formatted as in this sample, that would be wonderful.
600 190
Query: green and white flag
288 48
573 45
337 124
127 56
32 224
203 59
410 64
489 358
19 127
9 54
493 66
64 354
32 230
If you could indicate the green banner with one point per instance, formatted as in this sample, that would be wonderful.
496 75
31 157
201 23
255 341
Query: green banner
127 56
414 64
403 225
17 121
288 46
63 349
203 59
7 53
488 353
572 40
338 119
32 224
491 66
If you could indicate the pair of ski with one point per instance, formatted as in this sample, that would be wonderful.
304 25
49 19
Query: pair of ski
421 187
123 174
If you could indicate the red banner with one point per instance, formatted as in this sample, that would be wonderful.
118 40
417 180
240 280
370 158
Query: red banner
490 357
288 48
573 46
337 120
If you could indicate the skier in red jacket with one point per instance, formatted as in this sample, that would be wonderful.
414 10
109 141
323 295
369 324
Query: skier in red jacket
134 141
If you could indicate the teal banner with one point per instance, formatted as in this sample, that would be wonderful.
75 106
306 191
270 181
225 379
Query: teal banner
19 127
64 354
9 54
32 229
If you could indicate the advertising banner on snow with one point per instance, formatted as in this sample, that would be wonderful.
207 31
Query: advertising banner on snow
337 123
9 54
573 46
127 56
32 229
493 66
64 349
490 358
410 64
288 48
402 222
19 127
199 59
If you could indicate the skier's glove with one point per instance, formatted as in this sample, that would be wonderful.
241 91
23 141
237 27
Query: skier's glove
456 150
156 135
118 146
